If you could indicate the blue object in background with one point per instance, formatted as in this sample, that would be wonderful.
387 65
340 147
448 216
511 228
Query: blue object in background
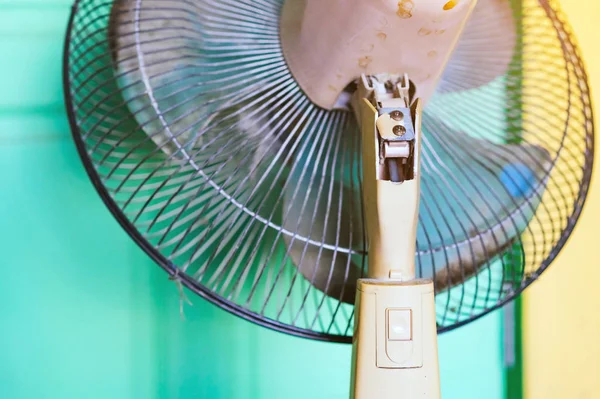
84 313
518 179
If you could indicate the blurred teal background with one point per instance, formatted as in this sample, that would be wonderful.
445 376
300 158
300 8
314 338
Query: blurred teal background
84 313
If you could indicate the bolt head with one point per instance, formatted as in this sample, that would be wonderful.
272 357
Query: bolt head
399 130
397 115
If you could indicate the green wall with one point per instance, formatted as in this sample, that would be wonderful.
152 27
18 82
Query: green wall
85 314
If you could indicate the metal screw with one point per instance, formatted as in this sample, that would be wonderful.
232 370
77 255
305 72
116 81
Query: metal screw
399 130
397 115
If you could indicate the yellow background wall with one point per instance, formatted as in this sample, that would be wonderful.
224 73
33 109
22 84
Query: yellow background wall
562 310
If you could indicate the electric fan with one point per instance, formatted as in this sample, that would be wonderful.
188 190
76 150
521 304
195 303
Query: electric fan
365 171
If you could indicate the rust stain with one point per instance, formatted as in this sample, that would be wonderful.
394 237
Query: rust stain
439 18
424 32
432 53
450 5
382 35
364 62
405 8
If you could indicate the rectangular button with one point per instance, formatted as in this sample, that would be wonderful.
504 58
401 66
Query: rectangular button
399 322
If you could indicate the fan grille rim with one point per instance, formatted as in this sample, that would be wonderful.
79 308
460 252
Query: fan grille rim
560 25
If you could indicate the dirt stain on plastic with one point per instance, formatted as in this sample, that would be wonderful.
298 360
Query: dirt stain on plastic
405 8
368 48
424 32
364 62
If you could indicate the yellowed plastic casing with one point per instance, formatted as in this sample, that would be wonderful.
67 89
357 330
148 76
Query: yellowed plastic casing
391 210
395 341
395 337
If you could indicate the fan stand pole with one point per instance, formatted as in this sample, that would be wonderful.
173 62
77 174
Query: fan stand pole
326 44
395 337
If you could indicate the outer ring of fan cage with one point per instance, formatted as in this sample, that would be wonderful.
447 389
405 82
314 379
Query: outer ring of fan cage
205 293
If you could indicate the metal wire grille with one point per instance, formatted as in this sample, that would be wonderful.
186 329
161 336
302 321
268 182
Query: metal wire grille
206 150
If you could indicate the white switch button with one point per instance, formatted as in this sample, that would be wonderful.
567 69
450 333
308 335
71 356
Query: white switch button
399 323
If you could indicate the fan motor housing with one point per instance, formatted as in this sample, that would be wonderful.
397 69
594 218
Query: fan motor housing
328 44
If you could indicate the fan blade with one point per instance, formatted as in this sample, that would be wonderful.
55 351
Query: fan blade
150 50
326 268
175 72
484 50
477 198
323 207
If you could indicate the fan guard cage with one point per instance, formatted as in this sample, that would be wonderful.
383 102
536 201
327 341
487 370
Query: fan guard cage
191 227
